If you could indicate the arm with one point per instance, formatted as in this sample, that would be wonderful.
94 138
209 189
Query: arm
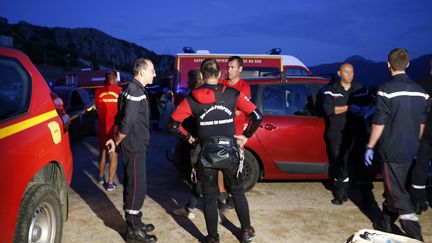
246 91
422 127
125 118
340 109
182 112
115 141
375 135
246 106
327 104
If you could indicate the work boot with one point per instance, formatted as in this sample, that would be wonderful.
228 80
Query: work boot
386 224
383 225
248 235
412 229
210 239
341 193
137 235
146 227
421 207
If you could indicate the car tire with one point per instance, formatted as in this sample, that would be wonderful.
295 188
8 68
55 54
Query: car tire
40 216
251 171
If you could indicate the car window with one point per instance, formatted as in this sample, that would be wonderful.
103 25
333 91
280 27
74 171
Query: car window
85 97
295 72
76 102
258 71
287 100
15 88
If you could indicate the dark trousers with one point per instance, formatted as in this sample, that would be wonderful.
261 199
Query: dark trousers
419 172
209 181
195 195
135 185
338 146
397 198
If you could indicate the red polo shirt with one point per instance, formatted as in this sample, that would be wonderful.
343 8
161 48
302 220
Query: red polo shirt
243 87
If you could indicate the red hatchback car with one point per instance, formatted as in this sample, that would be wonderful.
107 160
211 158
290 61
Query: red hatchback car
36 159
289 144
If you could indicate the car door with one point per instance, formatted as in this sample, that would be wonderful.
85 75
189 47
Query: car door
290 132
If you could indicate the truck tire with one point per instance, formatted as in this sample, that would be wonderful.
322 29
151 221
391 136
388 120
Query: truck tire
40 216
251 171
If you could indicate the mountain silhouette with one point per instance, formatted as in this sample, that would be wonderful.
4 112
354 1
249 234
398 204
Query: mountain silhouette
372 73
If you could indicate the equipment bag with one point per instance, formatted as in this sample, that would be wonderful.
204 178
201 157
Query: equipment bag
219 153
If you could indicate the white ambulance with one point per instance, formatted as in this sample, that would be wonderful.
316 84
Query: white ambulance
254 65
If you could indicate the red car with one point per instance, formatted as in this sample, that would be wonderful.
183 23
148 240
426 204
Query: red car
35 154
289 144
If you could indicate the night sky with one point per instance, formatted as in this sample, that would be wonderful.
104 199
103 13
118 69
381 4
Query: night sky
315 31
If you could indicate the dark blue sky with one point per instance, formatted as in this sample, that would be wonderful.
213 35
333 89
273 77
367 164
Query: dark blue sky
315 31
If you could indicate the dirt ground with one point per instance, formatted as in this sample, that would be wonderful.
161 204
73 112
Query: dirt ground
280 211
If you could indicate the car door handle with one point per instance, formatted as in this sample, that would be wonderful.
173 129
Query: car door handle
268 126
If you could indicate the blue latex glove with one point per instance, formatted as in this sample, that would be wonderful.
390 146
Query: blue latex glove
368 157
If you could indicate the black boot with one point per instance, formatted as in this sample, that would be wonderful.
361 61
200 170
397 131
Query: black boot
210 239
421 207
341 193
248 235
412 229
383 225
146 227
386 224
136 235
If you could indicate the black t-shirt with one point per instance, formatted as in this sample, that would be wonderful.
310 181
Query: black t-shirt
133 117
401 107
335 95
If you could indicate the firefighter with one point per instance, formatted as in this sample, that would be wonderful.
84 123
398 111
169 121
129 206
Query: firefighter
397 125
132 139
338 107
424 156
235 67
213 105
106 103
421 169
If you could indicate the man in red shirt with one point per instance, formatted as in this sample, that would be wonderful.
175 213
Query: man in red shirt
106 103
235 67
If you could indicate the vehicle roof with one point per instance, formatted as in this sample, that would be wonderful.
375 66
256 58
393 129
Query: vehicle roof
286 79
287 60
65 88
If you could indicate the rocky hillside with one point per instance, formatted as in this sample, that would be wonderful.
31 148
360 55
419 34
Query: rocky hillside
80 47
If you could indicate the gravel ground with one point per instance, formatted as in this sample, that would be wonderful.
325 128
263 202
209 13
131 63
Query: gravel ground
280 211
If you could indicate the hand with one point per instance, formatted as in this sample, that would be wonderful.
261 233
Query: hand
368 157
194 178
110 146
192 140
241 140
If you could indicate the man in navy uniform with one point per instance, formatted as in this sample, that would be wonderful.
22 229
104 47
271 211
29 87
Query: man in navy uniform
339 112
132 139
397 125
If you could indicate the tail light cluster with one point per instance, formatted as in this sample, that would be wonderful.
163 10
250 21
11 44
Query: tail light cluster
58 102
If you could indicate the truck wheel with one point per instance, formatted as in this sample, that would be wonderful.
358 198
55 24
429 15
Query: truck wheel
40 218
251 171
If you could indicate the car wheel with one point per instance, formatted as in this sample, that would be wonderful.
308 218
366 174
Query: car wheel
40 218
251 171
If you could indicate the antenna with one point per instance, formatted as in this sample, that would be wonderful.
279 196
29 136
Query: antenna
274 51
188 49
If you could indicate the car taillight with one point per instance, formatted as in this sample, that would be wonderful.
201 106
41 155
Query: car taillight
58 102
